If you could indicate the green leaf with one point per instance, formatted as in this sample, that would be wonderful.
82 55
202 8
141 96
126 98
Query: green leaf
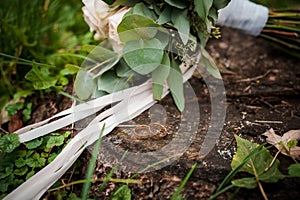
135 27
8 171
21 153
51 157
177 3
55 141
210 64
4 98
9 142
159 77
69 70
181 23
34 143
13 108
143 56
22 94
40 77
220 4
203 7
125 2
84 84
21 171
259 164
176 86
294 170
292 144
30 174
107 65
4 185
36 161
122 69
67 134
110 83
122 193
248 182
20 162
143 10
27 112
29 153
165 16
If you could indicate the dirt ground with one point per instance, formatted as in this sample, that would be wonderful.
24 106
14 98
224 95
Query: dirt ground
262 87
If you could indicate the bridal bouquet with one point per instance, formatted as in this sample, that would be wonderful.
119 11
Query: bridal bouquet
156 40
148 38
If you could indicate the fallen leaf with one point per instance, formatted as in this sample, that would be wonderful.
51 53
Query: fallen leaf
275 140
15 122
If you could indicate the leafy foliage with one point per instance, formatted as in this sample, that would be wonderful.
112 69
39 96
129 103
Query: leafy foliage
256 160
32 33
20 161
259 165
122 193
152 47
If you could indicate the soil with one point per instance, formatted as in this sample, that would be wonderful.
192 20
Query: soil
262 87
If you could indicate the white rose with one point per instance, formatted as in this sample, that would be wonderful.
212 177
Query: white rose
104 20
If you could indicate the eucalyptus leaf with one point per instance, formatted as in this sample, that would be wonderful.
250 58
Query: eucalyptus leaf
125 2
165 16
178 3
210 64
159 77
220 3
122 69
84 84
175 84
135 27
142 9
202 8
258 165
105 66
163 36
181 23
97 54
143 56
110 83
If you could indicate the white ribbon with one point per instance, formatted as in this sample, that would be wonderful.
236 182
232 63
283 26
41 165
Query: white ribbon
244 15
125 110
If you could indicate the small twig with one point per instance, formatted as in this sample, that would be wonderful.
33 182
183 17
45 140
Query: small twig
266 93
272 162
262 190
252 123
268 122
127 126
116 180
254 78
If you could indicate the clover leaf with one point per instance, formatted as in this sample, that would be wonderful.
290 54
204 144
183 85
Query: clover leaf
9 142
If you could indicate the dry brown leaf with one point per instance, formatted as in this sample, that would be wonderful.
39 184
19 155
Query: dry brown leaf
275 140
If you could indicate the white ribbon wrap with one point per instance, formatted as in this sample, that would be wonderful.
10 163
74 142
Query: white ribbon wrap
244 15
